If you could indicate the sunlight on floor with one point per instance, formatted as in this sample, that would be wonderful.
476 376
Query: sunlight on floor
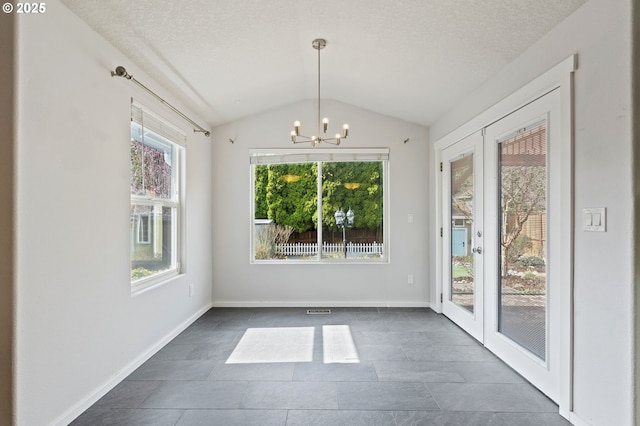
338 345
294 344
282 344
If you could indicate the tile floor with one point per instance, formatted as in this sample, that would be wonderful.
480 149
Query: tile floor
355 366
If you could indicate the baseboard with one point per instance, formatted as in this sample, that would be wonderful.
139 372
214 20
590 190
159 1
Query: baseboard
577 421
102 390
323 304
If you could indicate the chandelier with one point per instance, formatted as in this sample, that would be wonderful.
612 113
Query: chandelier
323 124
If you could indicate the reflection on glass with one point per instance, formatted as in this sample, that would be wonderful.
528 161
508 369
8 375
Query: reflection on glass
462 269
523 219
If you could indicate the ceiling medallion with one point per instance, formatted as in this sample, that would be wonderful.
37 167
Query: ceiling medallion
323 124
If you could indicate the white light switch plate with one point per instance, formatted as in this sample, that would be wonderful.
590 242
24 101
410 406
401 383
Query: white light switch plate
594 219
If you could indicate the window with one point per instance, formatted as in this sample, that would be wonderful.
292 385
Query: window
156 154
319 205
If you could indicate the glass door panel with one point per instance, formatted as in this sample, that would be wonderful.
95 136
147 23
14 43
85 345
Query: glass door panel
462 268
522 285
523 215
461 219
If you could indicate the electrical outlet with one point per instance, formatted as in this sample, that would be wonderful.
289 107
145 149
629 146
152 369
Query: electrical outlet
190 290
410 279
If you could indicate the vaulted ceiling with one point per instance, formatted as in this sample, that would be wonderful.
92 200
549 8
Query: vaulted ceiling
409 59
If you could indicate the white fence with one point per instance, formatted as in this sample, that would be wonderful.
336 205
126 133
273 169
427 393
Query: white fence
311 249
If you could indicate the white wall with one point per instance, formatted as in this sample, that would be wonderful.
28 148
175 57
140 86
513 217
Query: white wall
237 282
600 32
79 328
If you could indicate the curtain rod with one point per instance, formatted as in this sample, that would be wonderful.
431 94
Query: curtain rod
122 72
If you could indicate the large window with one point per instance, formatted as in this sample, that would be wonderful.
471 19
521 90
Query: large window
156 155
319 205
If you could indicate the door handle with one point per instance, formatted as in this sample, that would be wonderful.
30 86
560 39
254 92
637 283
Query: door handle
477 250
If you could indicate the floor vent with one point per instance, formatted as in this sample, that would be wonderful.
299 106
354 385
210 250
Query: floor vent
318 311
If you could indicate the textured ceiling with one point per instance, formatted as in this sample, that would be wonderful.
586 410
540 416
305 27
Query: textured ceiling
410 59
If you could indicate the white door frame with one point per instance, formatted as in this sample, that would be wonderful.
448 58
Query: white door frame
559 77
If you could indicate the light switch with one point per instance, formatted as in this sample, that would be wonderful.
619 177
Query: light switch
594 219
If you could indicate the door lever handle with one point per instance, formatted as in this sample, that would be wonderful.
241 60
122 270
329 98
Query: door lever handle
477 250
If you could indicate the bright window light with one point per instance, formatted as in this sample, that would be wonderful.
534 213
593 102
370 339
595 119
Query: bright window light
338 345
267 345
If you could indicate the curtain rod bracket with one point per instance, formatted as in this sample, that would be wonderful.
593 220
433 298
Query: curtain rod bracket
121 71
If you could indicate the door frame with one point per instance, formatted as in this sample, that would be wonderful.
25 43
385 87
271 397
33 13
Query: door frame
560 77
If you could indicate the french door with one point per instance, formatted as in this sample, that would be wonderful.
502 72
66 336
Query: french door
500 207
463 292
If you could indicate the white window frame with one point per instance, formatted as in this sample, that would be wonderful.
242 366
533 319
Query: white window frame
150 121
310 155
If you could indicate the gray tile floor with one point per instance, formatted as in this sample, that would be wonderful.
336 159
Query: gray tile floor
387 367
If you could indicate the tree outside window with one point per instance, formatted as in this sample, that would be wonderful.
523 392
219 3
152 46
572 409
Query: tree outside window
295 206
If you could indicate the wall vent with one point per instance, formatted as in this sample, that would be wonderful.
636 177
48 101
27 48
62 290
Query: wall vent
318 311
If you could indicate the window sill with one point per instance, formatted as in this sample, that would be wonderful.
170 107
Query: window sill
384 261
145 284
